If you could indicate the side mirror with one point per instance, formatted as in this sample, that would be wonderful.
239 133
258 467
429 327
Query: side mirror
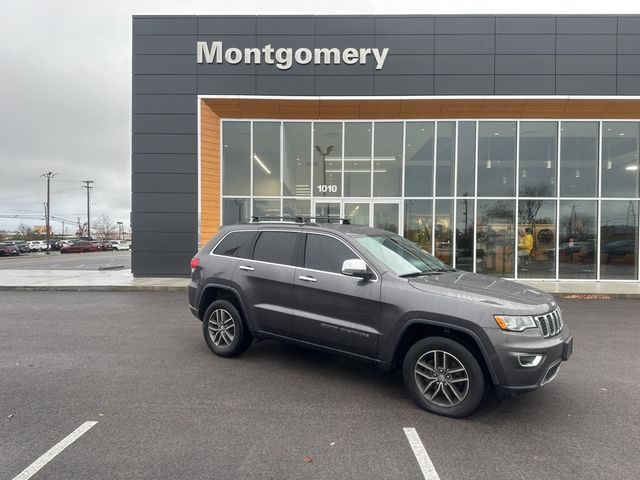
355 267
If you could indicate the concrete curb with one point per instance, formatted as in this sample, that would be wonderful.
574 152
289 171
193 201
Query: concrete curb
92 288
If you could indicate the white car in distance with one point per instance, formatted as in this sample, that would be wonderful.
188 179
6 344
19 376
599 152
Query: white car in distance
119 245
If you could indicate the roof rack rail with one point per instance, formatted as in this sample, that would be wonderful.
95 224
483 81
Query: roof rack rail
329 219
299 219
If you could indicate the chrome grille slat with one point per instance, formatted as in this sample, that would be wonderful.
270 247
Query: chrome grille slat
550 324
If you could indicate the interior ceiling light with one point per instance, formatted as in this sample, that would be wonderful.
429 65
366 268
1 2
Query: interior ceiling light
524 173
609 164
631 168
548 163
489 163
577 173
264 167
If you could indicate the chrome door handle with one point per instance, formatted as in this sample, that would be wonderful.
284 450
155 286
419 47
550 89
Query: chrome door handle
304 278
246 268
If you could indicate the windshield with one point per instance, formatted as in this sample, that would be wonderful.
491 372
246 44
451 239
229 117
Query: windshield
401 256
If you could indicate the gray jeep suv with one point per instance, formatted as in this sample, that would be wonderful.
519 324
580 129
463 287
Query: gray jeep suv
373 295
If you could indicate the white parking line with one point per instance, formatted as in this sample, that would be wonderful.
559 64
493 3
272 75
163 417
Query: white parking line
32 469
421 454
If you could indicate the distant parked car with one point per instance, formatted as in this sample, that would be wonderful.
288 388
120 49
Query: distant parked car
36 245
119 245
57 245
81 247
7 250
106 245
21 246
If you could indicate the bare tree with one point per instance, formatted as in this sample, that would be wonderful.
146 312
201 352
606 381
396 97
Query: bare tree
25 232
4 234
105 228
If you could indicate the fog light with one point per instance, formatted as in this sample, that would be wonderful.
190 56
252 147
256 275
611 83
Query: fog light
529 360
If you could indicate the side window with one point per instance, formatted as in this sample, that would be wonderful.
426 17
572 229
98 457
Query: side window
233 244
275 247
326 253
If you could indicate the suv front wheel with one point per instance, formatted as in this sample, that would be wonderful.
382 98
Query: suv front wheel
443 377
224 329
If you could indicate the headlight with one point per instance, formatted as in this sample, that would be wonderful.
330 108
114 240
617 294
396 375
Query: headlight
515 323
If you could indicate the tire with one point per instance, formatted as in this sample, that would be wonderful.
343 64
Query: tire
234 337
439 387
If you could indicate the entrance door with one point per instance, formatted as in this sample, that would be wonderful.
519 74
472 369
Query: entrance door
386 216
325 210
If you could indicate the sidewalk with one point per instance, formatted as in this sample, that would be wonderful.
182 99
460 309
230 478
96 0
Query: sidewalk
123 280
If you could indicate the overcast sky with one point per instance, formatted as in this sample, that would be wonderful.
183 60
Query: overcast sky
65 89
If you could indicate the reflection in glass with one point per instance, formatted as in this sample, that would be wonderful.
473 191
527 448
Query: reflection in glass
236 158
445 158
266 158
466 158
327 159
418 176
495 237
357 213
577 239
443 246
464 234
418 222
536 238
327 212
357 159
235 210
620 164
579 159
386 216
296 174
293 207
538 158
619 240
496 159
387 159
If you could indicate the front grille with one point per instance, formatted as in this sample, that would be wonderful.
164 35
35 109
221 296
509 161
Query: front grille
550 324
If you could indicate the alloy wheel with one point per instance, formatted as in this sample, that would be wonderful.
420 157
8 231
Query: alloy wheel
442 378
222 328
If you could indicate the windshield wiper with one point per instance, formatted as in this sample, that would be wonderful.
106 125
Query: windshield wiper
420 274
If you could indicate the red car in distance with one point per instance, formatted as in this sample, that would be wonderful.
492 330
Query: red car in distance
81 247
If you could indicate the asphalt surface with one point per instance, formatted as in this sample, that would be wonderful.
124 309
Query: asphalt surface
169 409
68 261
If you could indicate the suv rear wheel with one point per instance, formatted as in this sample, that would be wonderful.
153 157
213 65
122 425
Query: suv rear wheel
224 329
443 377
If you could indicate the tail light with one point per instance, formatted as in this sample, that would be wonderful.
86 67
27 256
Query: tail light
195 261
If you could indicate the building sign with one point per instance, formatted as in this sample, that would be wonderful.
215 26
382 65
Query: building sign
283 58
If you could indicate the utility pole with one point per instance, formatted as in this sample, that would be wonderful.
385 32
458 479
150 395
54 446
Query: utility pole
88 184
48 176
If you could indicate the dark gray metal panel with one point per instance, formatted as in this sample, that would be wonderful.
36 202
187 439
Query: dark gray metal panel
525 44
174 25
225 68
525 64
590 25
164 84
629 44
405 44
464 64
285 85
164 104
165 202
340 85
525 84
161 264
464 44
164 44
629 24
465 25
629 64
288 41
163 222
345 41
168 242
165 124
403 84
164 64
520 25
227 25
163 143
296 69
227 84
586 85
586 44
344 25
286 25
629 85
586 64
164 183
407 65
385 25
463 85
164 163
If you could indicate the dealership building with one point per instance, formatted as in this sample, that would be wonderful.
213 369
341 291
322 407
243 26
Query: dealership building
505 145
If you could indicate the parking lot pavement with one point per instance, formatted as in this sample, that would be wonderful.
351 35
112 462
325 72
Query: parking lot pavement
70 261
167 408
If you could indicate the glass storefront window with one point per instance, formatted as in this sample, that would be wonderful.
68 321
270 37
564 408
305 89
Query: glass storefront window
418 175
579 159
386 216
236 157
619 240
620 165
536 238
327 159
357 159
387 159
445 158
466 158
235 210
327 211
495 237
443 245
357 213
418 223
266 158
577 254
464 234
293 207
266 207
496 159
538 159
296 170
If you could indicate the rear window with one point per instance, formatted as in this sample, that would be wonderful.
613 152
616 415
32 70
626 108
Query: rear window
275 247
232 245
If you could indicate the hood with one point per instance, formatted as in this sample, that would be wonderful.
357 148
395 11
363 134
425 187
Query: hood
473 287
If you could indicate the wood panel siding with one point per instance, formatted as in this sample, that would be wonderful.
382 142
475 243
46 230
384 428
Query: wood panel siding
210 192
